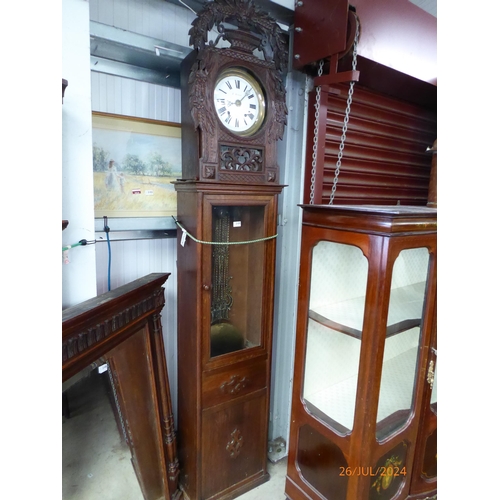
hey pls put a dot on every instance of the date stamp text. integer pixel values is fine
(382, 471)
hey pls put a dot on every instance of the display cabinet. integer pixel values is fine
(363, 362)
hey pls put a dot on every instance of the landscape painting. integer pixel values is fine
(134, 163)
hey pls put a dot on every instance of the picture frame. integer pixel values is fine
(134, 162)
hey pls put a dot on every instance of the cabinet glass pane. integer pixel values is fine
(404, 321)
(336, 310)
(237, 278)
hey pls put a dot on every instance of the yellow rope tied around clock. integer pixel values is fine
(187, 233)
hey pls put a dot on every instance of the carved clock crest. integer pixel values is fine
(236, 95)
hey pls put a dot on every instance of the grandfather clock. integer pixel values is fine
(233, 114)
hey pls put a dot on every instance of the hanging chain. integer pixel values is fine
(346, 116)
(316, 131)
(344, 128)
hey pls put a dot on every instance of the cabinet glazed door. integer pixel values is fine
(402, 340)
(339, 275)
(333, 337)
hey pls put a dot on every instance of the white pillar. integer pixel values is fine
(78, 276)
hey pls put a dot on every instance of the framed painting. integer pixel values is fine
(134, 163)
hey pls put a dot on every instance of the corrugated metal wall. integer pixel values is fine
(123, 96)
(135, 258)
(113, 94)
(154, 18)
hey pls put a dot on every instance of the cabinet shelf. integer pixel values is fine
(337, 400)
(404, 312)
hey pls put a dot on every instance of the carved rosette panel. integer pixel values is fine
(235, 444)
(241, 159)
(209, 171)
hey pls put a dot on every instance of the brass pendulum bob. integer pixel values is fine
(224, 338)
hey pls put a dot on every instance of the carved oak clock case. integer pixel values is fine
(233, 112)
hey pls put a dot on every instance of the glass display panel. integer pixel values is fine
(399, 369)
(339, 275)
(237, 278)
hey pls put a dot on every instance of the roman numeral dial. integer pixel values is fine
(239, 101)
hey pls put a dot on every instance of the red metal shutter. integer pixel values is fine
(384, 159)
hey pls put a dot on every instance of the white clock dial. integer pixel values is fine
(239, 102)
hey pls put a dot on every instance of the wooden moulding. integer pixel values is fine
(123, 329)
(378, 219)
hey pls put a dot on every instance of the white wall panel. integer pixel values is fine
(154, 18)
(78, 282)
(134, 259)
(122, 96)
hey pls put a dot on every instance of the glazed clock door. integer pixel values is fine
(236, 273)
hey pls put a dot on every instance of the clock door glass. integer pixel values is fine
(237, 288)
(239, 102)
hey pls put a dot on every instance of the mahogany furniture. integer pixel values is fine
(122, 328)
(224, 364)
(363, 422)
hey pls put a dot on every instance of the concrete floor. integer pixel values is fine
(96, 461)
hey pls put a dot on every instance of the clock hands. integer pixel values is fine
(247, 93)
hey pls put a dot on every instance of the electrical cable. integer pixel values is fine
(80, 243)
(106, 230)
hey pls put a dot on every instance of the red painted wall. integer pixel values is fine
(398, 34)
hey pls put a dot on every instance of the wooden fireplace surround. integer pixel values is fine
(123, 329)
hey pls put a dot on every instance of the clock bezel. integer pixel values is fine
(242, 72)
